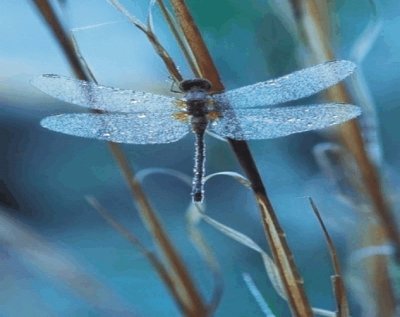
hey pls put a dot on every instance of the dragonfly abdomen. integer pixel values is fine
(196, 97)
(199, 122)
(199, 168)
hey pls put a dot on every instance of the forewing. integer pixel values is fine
(269, 123)
(302, 83)
(134, 128)
(93, 96)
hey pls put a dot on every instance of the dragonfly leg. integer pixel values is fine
(173, 85)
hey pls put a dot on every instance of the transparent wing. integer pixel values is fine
(269, 123)
(302, 83)
(134, 128)
(91, 95)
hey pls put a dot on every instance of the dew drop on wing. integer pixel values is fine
(119, 127)
(299, 84)
(268, 123)
(93, 96)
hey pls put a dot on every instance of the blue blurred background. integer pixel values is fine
(44, 176)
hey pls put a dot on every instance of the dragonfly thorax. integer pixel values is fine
(196, 96)
(196, 83)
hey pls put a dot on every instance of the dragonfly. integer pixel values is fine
(135, 117)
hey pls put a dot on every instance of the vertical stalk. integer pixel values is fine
(310, 22)
(61, 35)
(290, 277)
(189, 298)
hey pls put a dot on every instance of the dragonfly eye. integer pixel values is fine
(198, 83)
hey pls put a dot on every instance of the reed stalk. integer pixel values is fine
(189, 298)
(313, 24)
(342, 305)
(313, 29)
(283, 257)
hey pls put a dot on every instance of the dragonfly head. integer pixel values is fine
(197, 83)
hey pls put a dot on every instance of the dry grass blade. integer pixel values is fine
(206, 67)
(257, 295)
(270, 267)
(323, 312)
(378, 273)
(151, 257)
(291, 280)
(208, 256)
(195, 234)
(236, 176)
(187, 291)
(47, 11)
(310, 20)
(368, 121)
(161, 51)
(89, 75)
(239, 237)
(342, 304)
(179, 38)
(60, 267)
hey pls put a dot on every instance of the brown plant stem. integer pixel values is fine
(160, 50)
(291, 280)
(151, 257)
(189, 296)
(192, 299)
(59, 32)
(180, 40)
(379, 274)
(312, 28)
(193, 37)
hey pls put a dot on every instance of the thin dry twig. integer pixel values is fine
(206, 68)
(179, 38)
(311, 23)
(151, 257)
(161, 51)
(187, 290)
(198, 214)
(59, 32)
(291, 280)
(188, 294)
(206, 253)
(342, 304)
(195, 235)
